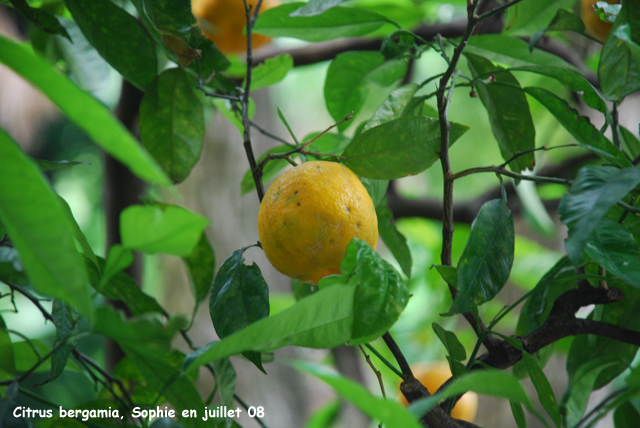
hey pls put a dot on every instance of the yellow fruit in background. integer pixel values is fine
(223, 22)
(432, 376)
(596, 27)
(309, 215)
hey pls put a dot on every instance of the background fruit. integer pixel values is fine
(223, 22)
(308, 217)
(432, 376)
(596, 27)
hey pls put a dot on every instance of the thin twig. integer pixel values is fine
(270, 135)
(502, 171)
(375, 371)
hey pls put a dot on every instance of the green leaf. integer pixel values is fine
(48, 165)
(594, 191)
(575, 82)
(41, 18)
(272, 71)
(625, 416)
(543, 388)
(350, 78)
(451, 343)
(587, 135)
(81, 108)
(172, 123)
(161, 229)
(162, 376)
(486, 262)
(118, 259)
(65, 318)
(123, 288)
(40, 230)
(511, 51)
(612, 246)
(393, 107)
(325, 416)
(118, 37)
(488, 382)
(7, 359)
(575, 399)
(448, 273)
(563, 21)
(393, 239)
(331, 24)
(532, 16)
(148, 330)
(225, 380)
(376, 190)
(200, 266)
(11, 270)
(381, 294)
(170, 17)
(239, 297)
(316, 7)
(518, 414)
(630, 141)
(619, 66)
(401, 147)
(508, 111)
(321, 320)
(388, 412)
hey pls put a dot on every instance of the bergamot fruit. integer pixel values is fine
(309, 215)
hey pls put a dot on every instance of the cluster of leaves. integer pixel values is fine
(43, 252)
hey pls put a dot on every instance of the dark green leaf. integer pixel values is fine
(486, 262)
(225, 380)
(575, 399)
(331, 24)
(630, 141)
(612, 246)
(65, 318)
(381, 295)
(47, 165)
(626, 416)
(401, 147)
(376, 189)
(321, 320)
(239, 296)
(508, 111)
(587, 135)
(543, 388)
(170, 17)
(532, 16)
(40, 230)
(388, 412)
(172, 123)
(511, 51)
(300, 289)
(118, 259)
(518, 414)
(77, 232)
(393, 107)
(393, 239)
(574, 82)
(350, 77)
(316, 7)
(123, 288)
(118, 37)
(7, 359)
(147, 330)
(399, 43)
(563, 21)
(330, 144)
(81, 108)
(594, 191)
(451, 343)
(488, 382)
(273, 70)
(448, 274)
(165, 379)
(200, 267)
(161, 229)
(11, 270)
(619, 66)
(41, 18)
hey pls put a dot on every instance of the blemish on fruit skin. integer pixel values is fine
(298, 203)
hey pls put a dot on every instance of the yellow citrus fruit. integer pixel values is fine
(432, 376)
(223, 21)
(596, 27)
(309, 215)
